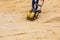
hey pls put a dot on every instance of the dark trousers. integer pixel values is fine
(33, 3)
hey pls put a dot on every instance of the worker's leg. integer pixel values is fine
(37, 1)
(33, 2)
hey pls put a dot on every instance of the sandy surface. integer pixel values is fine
(14, 26)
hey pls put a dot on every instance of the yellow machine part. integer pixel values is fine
(30, 14)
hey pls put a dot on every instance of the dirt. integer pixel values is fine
(15, 26)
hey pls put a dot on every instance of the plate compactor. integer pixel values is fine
(33, 14)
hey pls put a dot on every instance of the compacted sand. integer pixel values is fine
(15, 26)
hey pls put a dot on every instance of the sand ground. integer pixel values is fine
(15, 26)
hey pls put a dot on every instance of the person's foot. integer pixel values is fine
(31, 10)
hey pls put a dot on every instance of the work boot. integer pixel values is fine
(31, 10)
